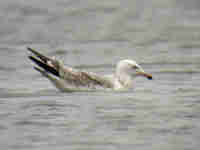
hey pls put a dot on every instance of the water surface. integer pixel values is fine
(93, 35)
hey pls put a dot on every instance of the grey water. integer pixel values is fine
(162, 36)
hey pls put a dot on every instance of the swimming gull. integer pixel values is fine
(66, 78)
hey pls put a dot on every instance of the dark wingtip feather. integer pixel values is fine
(39, 55)
(40, 70)
(45, 66)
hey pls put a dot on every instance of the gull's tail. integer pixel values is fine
(59, 84)
(48, 64)
(48, 67)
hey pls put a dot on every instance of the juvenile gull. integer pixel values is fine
(66, 78)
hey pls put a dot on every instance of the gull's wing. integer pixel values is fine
(69, 75)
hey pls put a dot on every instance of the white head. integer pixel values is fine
(127, 70)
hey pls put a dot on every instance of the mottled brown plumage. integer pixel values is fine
(69, 75)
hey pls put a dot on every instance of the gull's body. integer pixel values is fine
(66, 78)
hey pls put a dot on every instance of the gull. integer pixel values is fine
(66, 78)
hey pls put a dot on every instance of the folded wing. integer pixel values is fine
(67, 74)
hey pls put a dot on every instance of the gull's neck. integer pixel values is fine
(123, 81)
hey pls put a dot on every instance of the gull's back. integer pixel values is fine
(84, 79)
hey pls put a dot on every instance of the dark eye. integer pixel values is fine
(134, 67)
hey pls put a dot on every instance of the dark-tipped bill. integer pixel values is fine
(147, 75)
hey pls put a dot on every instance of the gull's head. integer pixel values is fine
(131, 68)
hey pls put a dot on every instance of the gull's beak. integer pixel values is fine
(147, 75)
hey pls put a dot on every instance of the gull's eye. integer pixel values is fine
(134, 67)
